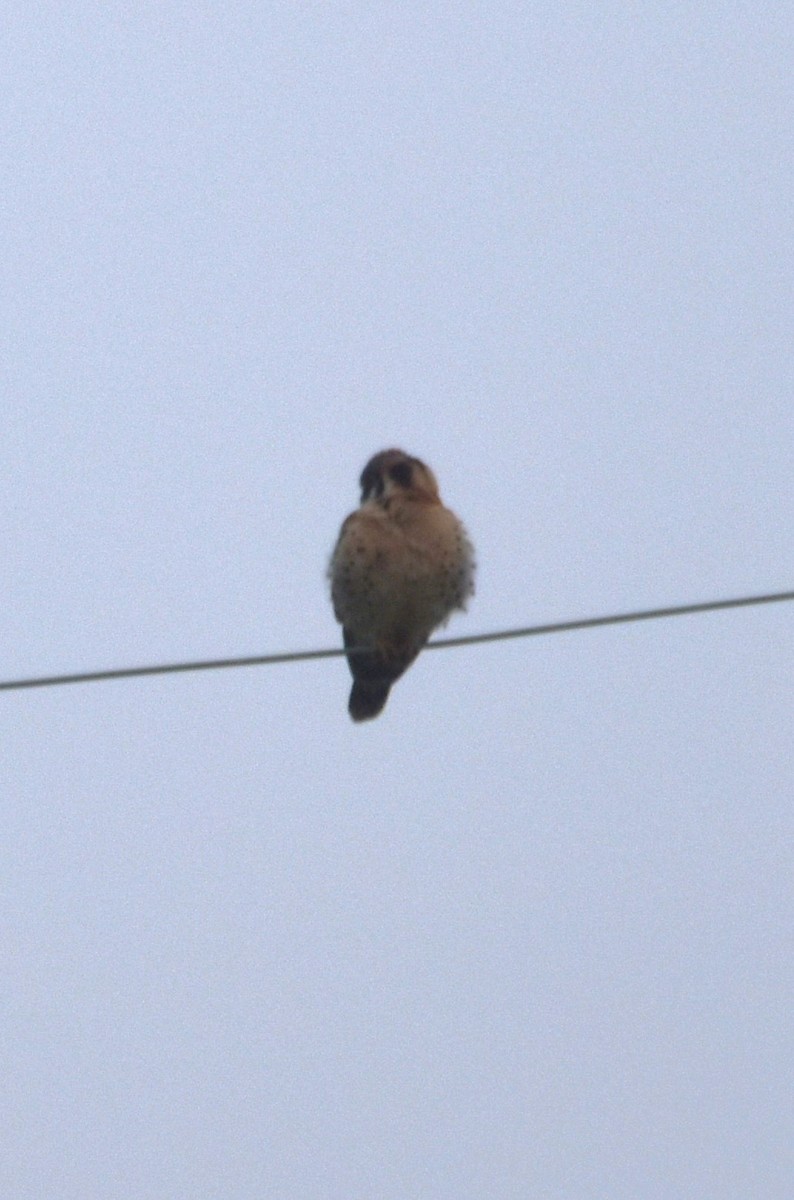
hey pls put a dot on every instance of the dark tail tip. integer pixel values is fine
(367, 699)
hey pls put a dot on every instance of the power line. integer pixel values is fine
(648, 614)
(267, 660)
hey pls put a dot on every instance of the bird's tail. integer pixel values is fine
(367, 698)
(374, 671)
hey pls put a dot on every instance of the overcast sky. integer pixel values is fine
(529, 934)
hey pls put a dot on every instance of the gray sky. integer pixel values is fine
(529, 934)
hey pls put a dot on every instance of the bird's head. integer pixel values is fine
(393, 471)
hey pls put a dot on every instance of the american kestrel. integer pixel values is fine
(402, 564)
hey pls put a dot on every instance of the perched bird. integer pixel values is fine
(402, 564)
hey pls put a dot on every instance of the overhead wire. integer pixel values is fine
(265, 660)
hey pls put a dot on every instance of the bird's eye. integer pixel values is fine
(401, 474)
(371, 484)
